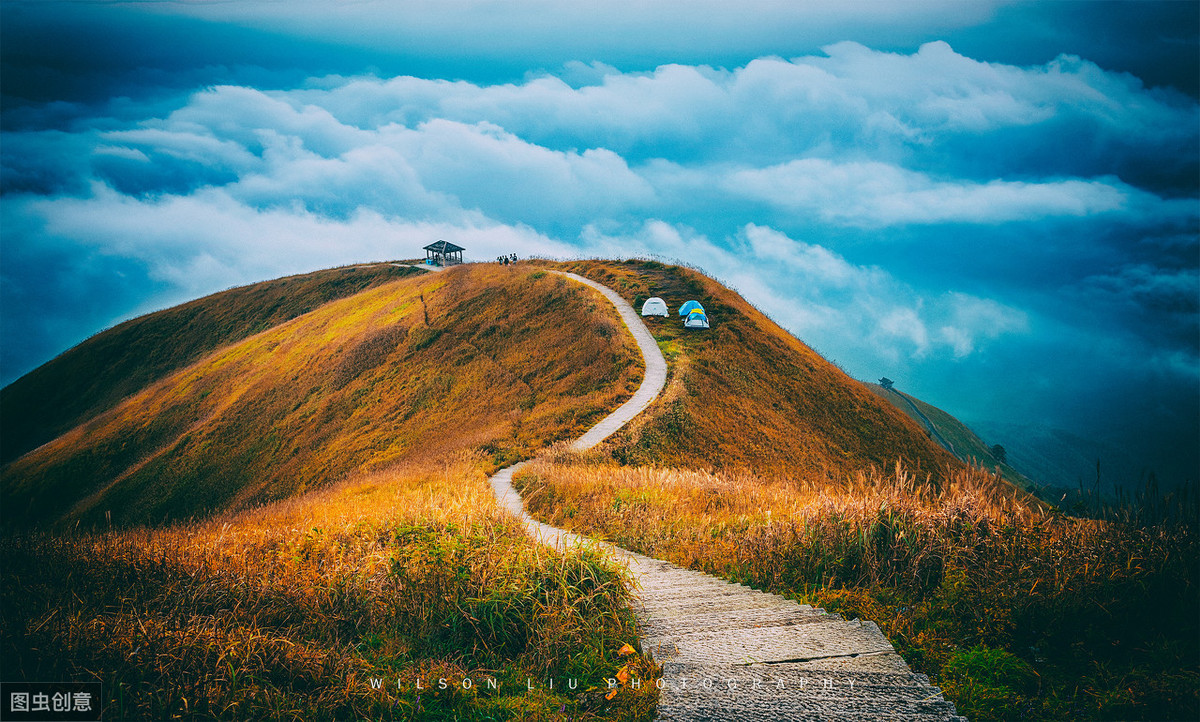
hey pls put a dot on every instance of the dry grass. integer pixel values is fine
(289, 611)
(97, 374)
(358, 384)
(337, 464)
(808, 417)
(1015, 612)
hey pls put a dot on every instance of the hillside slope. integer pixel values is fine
(965, 443)
(746, 394)
(511, 359)
(95, 375)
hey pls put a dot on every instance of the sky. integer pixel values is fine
(996, 204)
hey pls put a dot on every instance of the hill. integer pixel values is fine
(1069, 462)
(334, 457)
(354, 385)
(765, 465)
(96, 374)
(250, 396)
(746, 394)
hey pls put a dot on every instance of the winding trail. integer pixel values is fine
(937, 435)
(730, 652)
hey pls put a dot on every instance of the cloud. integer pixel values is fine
(878, 194)
(932, 111)
(924, 215)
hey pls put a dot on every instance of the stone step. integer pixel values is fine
(802, 642)
(731, 604)
(701, 592)
(763, 617)
(779, 692)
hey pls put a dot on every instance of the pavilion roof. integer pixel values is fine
(443, 247)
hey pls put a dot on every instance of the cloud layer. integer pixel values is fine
(925, 216)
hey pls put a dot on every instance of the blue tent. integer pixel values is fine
(690, 306)
(696, 319)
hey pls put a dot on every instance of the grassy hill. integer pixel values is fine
(354, 385)
(295, 474)
(95, 375)
(251, 396)
(335, 462)
(746, 394)
(765, 465)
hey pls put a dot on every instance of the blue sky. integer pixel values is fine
(994, 203)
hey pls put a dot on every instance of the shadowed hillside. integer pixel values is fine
(95, 375)
(746, 394)
(511, 359)
(966, 443)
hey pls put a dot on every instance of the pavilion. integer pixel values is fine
(443, 253)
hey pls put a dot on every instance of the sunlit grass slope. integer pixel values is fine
(512, 358)
(765, 464)
(746, 394)
(95, 375)
(356, 601)
(1016, 613)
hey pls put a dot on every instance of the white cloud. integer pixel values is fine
(878, 194)
(850, 102)
(209, 240)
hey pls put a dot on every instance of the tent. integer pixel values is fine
(696, 319)
(654, 307)
(690, 306)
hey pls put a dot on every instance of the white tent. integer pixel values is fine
(654, 307)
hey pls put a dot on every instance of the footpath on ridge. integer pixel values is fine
(730, 652)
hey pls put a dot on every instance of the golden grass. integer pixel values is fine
(509, 362)
(337, 465)
(290, 610)
(97, 374)
(1016, 612)
(748, 395)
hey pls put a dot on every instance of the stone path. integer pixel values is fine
(733, 653)
(937, 435)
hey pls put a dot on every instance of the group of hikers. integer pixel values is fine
(505, 260)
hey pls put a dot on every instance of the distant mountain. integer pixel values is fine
(1064, 460)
